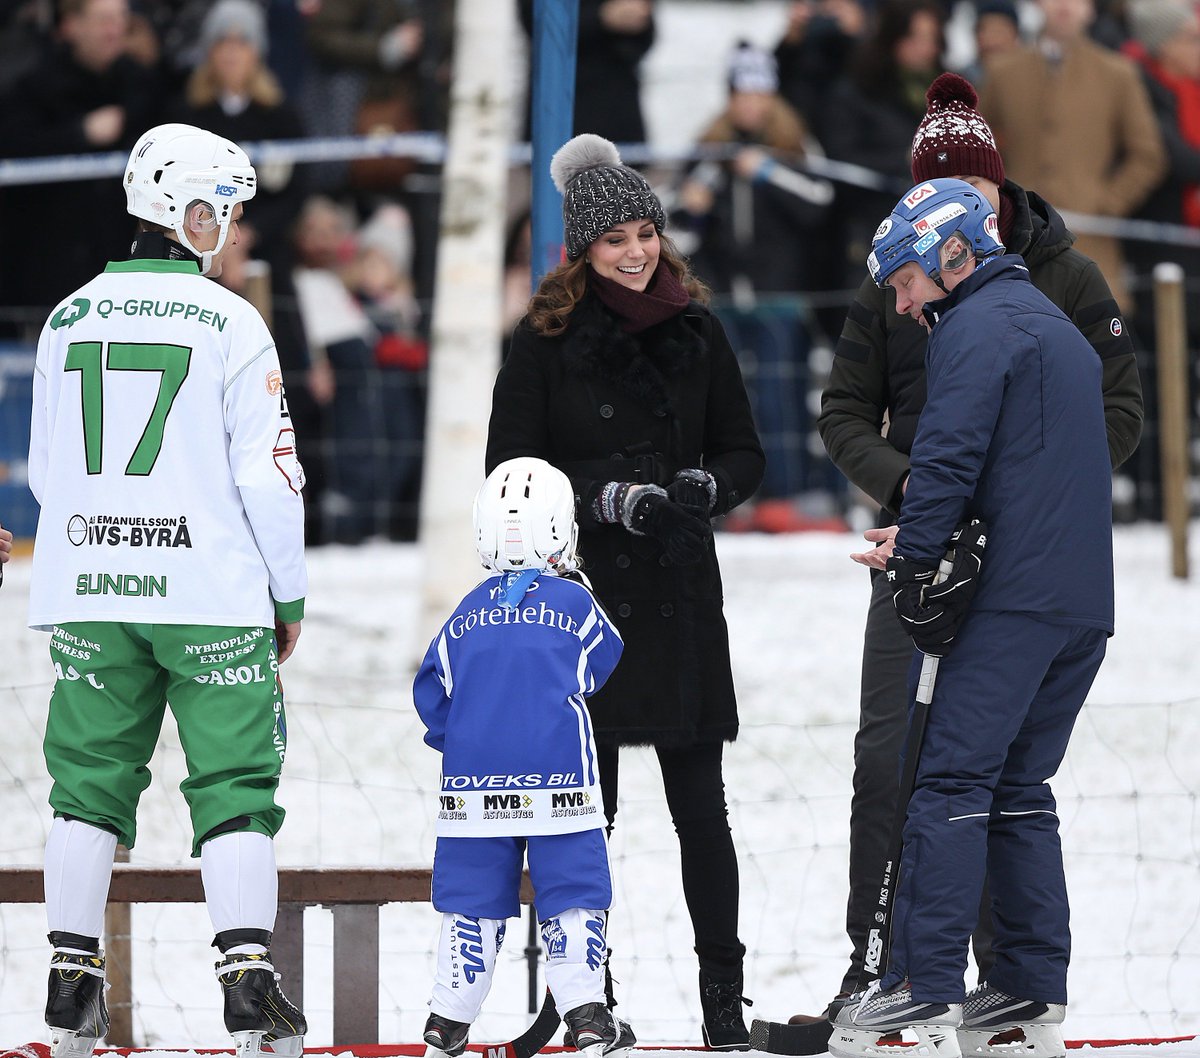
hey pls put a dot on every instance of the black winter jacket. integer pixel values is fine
(879, 363)
(606, 406)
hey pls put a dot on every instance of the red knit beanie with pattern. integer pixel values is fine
(953, 139)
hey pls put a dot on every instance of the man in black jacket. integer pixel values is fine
(878, 379)
(86, 95)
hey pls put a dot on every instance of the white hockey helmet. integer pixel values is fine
(524, 517)
(174, 166)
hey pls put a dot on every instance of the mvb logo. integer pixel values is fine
(452, 804)
(569, 800)
(492, 802)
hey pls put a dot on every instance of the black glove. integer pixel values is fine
(933, 613)
(692, 491)
(684, 537)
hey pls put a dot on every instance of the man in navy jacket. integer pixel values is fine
(1012, 434)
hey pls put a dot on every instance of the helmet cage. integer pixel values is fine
(172, 168)
(923, 221)
(524, 517)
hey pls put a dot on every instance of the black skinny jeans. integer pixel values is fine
(695, 793)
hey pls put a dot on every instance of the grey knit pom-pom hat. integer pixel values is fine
(599, 192)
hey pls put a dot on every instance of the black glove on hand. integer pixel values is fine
(684, 537)
(933, 613)
(694, 491)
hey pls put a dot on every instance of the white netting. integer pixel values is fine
(358, 777)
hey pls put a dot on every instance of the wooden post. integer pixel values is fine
(258, 290)
(355, 974)
(118, 963)
(1171, 325)
(287, 951)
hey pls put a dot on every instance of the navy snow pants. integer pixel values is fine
(1004, 704)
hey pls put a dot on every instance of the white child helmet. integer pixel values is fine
(173, 166)
(524, 517)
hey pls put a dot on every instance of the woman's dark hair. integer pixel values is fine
(874, 68)
(562, 289)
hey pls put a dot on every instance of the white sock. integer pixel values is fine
(79, 860)
(466, 958)
(241, 884)
(576, 951)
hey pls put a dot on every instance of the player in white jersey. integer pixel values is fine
(169, 566)
(502, 693)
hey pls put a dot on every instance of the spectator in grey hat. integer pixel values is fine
(622, 377)
(235, 18)
(756, 218)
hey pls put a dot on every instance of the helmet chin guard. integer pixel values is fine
(524, 517)
(173, 166)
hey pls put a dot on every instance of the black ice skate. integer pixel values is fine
(997, 1025)
(444, 1037)
(75, 1012)
(597, 1031)
(721, 1003)
(258, 1016)
(879, 1023)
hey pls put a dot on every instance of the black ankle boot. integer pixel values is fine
(721, 1002)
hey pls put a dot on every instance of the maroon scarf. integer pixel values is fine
(663, 298)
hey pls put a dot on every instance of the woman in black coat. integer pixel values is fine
(620, 376)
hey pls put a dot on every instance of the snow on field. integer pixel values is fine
(358, 776)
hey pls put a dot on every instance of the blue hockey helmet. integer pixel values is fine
(925, 220)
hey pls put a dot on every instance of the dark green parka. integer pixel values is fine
(879, 363)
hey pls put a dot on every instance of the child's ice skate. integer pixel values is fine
(879, 1024)
(597, 1031)
(445, 1038)
(259, 1017)
(997, 1025)
(75, 1012)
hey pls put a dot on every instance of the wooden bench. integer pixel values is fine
(354, 893)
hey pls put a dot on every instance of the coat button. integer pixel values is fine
(735, 497)
(616, 457)
(663, 560)
(667, 610)
(606, 411)
(622, 562)
(624, 610)
(660, 413)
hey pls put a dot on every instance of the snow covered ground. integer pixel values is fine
(358, 777)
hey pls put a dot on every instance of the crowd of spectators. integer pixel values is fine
(1096, 109)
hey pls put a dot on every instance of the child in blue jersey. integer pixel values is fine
(501, 691)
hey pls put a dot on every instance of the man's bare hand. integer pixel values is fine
(286, 634)
(877, 557)
(103, 126)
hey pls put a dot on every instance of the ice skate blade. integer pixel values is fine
(250, 1044)
(913, 1041)
(596, 1050)
(67, 1043)
(1019, 1041)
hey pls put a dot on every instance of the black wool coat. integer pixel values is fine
(606, 406)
